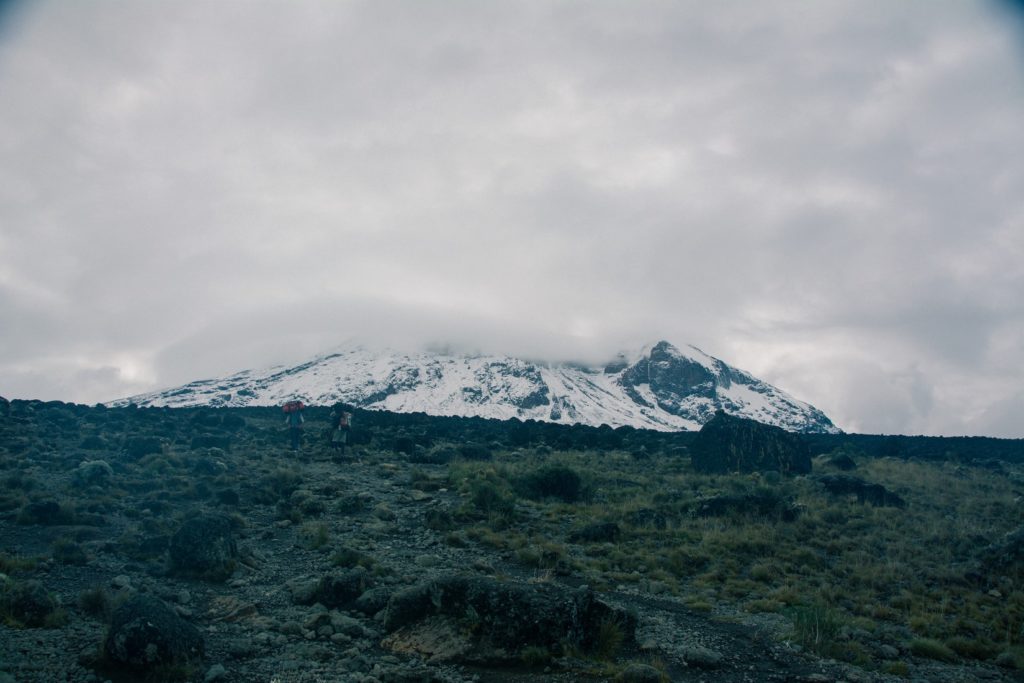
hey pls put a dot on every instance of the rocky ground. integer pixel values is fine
(326, 568)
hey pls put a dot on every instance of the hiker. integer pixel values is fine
(293, 418)
(341, 421)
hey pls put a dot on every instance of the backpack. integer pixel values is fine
(293, 407)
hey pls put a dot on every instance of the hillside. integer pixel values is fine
(433, 549)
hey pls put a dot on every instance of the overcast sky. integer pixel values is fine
(827, 194)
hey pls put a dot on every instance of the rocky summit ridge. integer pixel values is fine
(661, 387)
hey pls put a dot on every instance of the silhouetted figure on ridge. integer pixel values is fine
(293, 418)
(341, 421)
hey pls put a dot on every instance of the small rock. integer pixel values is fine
(291, 628)
(427, 560)
(888, 651)
(240, 648)
(302, 590)
(317, 620)
(347, 625)
(641, 673)
(121, 582)
(215, 673)
(184, 597)
(702, 657)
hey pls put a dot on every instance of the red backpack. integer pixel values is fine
(293, 406)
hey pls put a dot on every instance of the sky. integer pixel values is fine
(826, 194)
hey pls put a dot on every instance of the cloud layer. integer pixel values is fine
(825, 194)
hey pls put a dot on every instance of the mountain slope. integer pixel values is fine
(660, 388)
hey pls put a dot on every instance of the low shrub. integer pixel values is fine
(66, 551)
(95, 602)
(931, 649)
(554, 481)
(316, 535)
(816, 627)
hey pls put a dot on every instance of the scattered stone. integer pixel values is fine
(121, 582)
(241, 648)
(372, 601)
(215, 673)
(302, 590)
(702, 657)
(291, 628)
(641, 673)
(347, 625)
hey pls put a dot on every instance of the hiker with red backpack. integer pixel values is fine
(293, 418)
(341, 421)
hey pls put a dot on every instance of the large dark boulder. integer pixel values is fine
(145, 634)
(866, 492)
(503, 618)
(734, 444)
(204, 547)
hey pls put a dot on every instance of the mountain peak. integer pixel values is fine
(663, 388)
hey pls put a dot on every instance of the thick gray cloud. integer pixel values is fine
(826, 194)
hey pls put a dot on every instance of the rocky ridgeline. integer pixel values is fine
(192, 545)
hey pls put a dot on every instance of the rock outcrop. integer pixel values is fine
(866, 492)
(734, 444)
(465, 618)
(145, 633)
(204, 547)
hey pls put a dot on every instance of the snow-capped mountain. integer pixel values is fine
(660, 388)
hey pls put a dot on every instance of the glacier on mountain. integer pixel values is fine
(659, 388)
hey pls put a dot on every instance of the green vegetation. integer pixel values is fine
(838, 566)
(615, 509)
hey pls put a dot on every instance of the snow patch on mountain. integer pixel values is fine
(661, 387)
